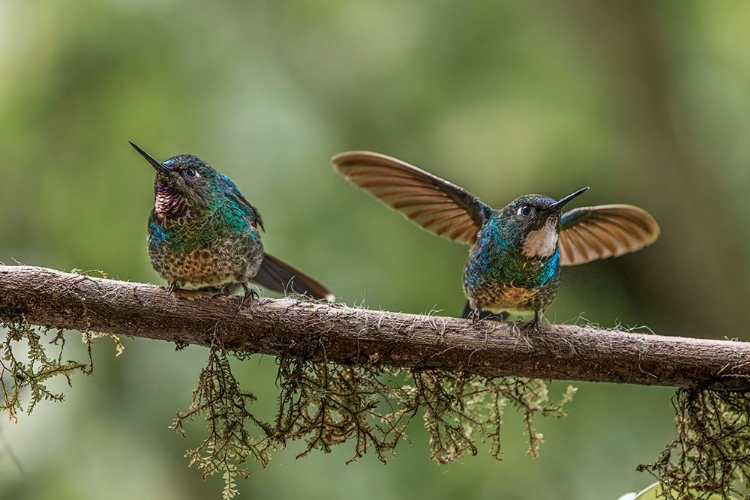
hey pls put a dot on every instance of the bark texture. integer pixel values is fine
(317, 331)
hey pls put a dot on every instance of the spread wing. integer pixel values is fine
(281, 277)
(591, 233)
(234, 193)
(435, 204)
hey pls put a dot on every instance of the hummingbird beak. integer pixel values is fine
(160, 167)
(560, 203)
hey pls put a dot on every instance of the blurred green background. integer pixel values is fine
(646, 102)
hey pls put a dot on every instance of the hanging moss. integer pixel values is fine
(711, 453)
(370, 406)
(43, 360)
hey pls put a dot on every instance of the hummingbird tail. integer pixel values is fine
(281, 277)
(467, 310)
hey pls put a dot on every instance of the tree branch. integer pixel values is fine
(342, 334)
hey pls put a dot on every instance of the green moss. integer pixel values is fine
(36, 368)
(711, 453)
(370, 406)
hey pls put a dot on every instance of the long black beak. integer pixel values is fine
(560, 203)
(160, 167)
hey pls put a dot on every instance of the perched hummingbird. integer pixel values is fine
(204, 235)
(514, 263)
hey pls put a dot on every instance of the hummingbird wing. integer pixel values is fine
(232, 192)
(435, 204)
(591, 233)
(281, 277)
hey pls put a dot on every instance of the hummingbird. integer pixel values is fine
(204, 235)
(516, 252)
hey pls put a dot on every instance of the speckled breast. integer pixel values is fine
(497, 297)
(197, 263)
(499, 281)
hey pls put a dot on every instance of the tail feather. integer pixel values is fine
(281, 277)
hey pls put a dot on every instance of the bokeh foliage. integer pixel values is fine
(646, 102)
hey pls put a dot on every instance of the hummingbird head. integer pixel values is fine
(185, 185)
(533, 222)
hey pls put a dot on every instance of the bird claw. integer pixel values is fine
(478, 315)
(249, 292)
(174, 290)
(533, 325)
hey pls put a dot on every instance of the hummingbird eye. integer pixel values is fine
(525, 210)
(191, 173)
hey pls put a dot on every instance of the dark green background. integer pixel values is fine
(646, 102)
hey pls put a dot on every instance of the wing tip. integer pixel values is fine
(649, 221)
(341, 158)
(643, 224)
(651, 229)
(405, 188)
(347, 157)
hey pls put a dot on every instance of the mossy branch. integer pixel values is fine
(322, 332)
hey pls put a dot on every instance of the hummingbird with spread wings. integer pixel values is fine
(516, 252)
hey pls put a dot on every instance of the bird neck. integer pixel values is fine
(174, 206)
(169, 205)
(497, 236)
(541, 242)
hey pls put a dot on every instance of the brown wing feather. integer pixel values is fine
(591, 233)
(435, 204)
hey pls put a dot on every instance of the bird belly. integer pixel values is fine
(215, 264)
(508, 298)
(497, 281)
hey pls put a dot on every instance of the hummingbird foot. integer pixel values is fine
(174, 290)
(534, 323)
(478, 315)
(474, 315)
(250, 294)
